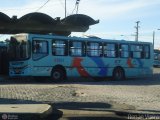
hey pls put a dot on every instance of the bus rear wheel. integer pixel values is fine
(118, 74)
(58, 75)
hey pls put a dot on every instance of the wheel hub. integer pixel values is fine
(56, 75)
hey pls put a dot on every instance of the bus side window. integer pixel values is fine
(110, 50)
(94, 49)
(40, 49)
(60, 47)
(146, 53)
(36, 47)
(137, 51)
(124, 51)
(39, 46)
(77, 48)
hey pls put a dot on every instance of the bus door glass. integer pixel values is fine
(40, 49)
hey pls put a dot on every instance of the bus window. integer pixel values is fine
(109, 50)
(40, 49)
(146, 52)
(23, 50)
(136, 51)
(94, 49)
(156, 58)
(77, 48)
(59, 47)
(124, 51)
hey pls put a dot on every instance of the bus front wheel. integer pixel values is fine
(57, 75)
(118, 74)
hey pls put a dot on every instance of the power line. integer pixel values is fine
(76, 6)
(42, 5)
(28, 8)
(25, 8)
(77, 3)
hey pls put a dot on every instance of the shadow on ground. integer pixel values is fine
(75, 110)
(154, 80)
(91, 106)
(87, 111)
(99, 111)
(55, 115)
(78, 111)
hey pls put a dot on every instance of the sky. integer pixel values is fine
(117, 17)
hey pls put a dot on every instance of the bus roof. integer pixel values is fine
(78, 38)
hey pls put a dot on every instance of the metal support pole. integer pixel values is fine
(137, 30)
(65, 8)
(77, 9)
(77, 4)
(153, 38)
(159, 47)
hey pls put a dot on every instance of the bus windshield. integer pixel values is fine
(19, 48)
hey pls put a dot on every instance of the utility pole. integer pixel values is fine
(153, 38)
(137, 30)
(159, 47)
(77, 4)
(65, 8)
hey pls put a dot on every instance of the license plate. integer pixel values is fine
(17, 70)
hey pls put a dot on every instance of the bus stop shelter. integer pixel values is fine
(40, 23)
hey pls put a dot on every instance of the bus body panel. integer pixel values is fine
(20, 68)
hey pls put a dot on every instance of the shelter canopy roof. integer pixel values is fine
(43, 24)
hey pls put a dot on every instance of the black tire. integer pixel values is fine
(118, 74)
(58, 75)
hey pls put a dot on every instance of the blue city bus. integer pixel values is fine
(59, 57)
(156, 58)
